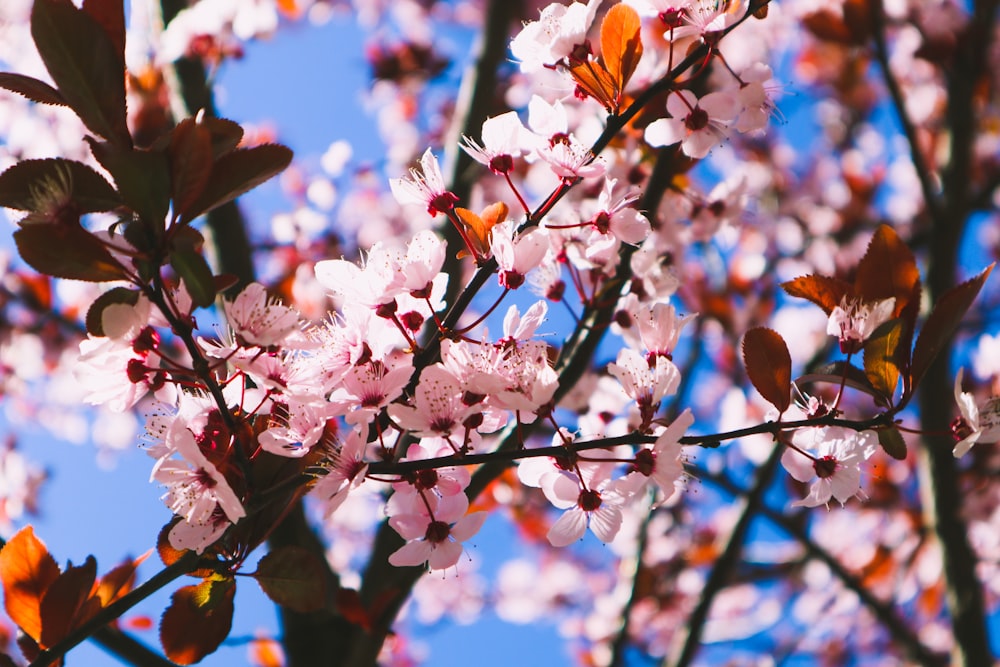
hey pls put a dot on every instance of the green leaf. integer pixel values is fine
(881, 360)
(26, 185)
(66, 251)
(942, 322)
(892, 442)
(85, 65)
(293, 577)
(198, 620)
(237, 172)
(769, 365)
(196, 274)
(115, 295)
(143, 178)
(32, 88)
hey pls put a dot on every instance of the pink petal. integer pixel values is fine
(568, 528)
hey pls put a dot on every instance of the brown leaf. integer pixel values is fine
(769, 365)
(119, 580)
(85, 65)
(824, 291)
(143, 179)
(942, 322)
(237, 172)
(892, 442)
(27, 570)
(31, 88)
(198, 620)
(887, 269)
(621, 45)
(66, 251)
(67, 603)
(190, 154)
(293, 577)
(110, 15)
(88, 190)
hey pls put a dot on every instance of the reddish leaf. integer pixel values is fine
(769, 365)
(27, 570)
(66, 251)
(887, 269)
(881, 365)
(190, 154)
(621, 44)
(226, 135)
(67, 603)
(293, 577)
(20, 186)
(237, 172)
(824, 291)
(480, 228)
(115, 295)
(31, 88)
(143, 179)
(942, 322)
(110, 15)
(119, 580)
(892, 442)
(198, 620)
(85, 65)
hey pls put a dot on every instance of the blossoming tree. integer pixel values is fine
(636, 276)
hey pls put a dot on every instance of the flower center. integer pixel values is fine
(825, 467)
(589, 500)
(696, 120)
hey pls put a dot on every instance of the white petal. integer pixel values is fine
(568, 528)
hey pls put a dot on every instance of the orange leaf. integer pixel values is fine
(479, 228)
(769, 365)
(824, 291)
(119, 580)
(887, 269)
(266, 652)
(198, 620)
(27, 569)
(881, 360)
(592, 77)
(621, 45)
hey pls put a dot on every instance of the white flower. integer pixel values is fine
(832, 455)
(854, 321)
(976, 422)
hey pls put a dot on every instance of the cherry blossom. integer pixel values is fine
(502, 142)
(257, 319)
(975, 422)
(697, 123)
(516, 254)
(424, 187)
(434, 530)
(661, 464)
(553, 37)
(854, 321)
(833, 462)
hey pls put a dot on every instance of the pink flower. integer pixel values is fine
(502, 142)
(424, 187)
(831, 458)
(647, 383)
(259, 320)
(196, 490)
(346, 472)
(660, 328)
(434, 529)
(554, 36)
(698, 124)
(569, 159)
(369, 387)
(854, 321)
(594, 501)
(975, 422)
(517, 254)
(437, 407)
(661, 464)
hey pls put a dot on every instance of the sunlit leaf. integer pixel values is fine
(592, 77)
(190, 154)
(110, 15)
(881, 364)
(888, 269)
(293, 577)
(27, 569)
(119, 580)
(479, 228)
(769, 366)
(621, 44)
(824, 291)
(198, 620)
